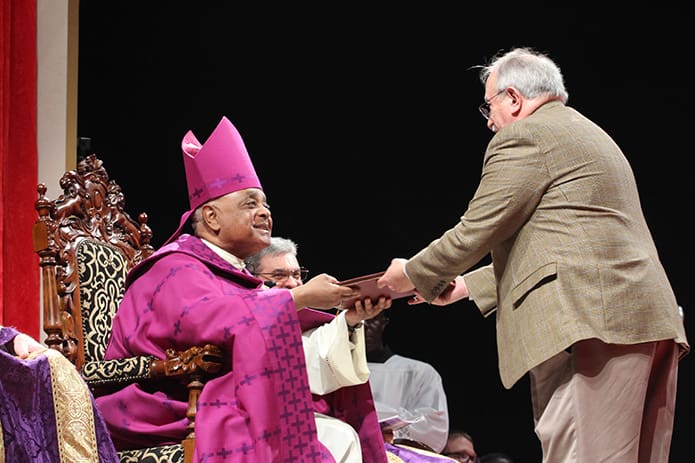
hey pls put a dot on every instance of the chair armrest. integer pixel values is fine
(196, 360)
(202, 360)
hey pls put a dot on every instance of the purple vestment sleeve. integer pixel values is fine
(7, 334)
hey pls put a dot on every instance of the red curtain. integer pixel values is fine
(19, 272)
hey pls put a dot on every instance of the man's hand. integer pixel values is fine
(365, 309)
(395, 278)
(455, 291)
(24, 344)
(321, 292)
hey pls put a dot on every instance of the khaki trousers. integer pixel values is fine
(606, 402)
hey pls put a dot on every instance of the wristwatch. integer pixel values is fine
(352, 328)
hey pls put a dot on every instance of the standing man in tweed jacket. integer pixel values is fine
(582, 301)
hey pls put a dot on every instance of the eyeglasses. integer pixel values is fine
(462, 457)
(280, 275)
(485, 107)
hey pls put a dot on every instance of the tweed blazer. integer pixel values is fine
(558, 211)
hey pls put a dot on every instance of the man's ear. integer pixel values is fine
(210, 217)
(514, 95)
(516, 99)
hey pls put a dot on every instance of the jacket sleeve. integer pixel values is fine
(482, 289)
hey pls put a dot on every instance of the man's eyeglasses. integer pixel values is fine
(280, 275)
(485, 107)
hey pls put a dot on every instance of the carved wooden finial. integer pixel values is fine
(43, 204)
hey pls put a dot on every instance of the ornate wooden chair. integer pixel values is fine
(87, 243)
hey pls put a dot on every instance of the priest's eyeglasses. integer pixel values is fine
(462, 457)
(280, 275)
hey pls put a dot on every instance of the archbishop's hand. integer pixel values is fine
(321, 292)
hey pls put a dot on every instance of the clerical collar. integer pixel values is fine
(226, 255)
(380, 356)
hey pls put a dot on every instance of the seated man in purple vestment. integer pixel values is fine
(196, 289)
(47, 414)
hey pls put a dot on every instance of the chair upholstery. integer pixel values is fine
(163, 454)
(87, 243)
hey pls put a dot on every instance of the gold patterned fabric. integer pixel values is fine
(74, 416)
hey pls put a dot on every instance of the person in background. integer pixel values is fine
(407, 387)
(495, 457)
(460, 447)
(196, 289)
(47, 413)
(339, 343)
(581, 300)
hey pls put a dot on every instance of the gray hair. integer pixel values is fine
(278, 247)
(196, 218)
(532, 73)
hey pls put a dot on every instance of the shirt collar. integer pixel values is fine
(380, 356)
(226, 255)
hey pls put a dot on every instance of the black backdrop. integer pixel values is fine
(362, 124)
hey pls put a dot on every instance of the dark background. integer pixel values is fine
(362, 124)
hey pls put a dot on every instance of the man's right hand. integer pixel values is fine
(395, 277)
(366, 309)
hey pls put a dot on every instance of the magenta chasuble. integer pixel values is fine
(261, 409)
